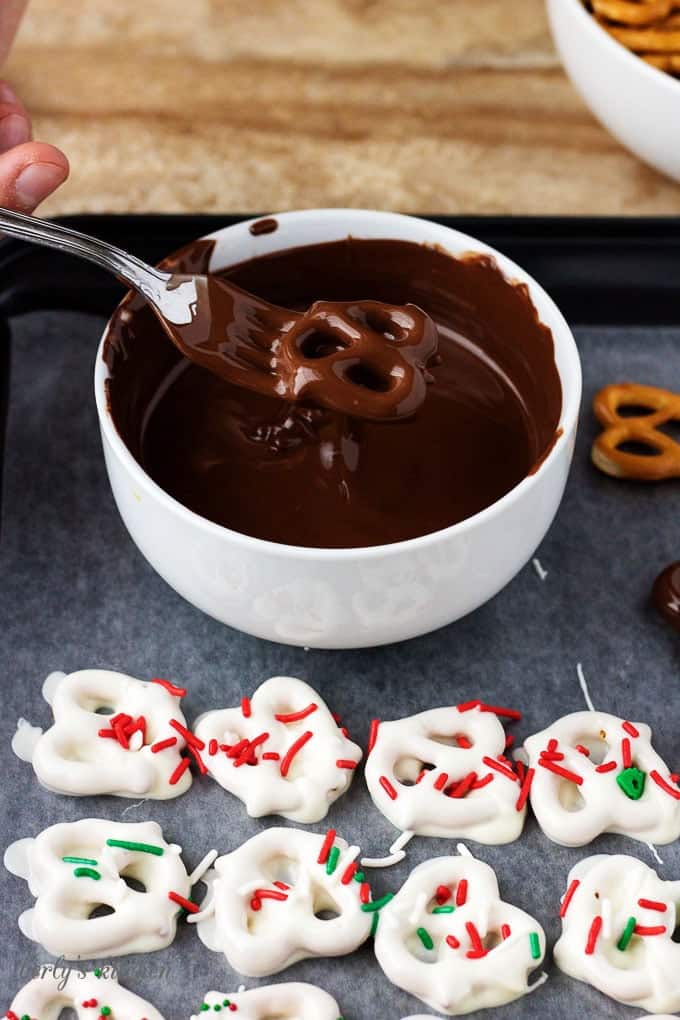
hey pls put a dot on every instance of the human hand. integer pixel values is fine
(29, 171)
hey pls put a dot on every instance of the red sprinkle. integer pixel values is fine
(478, 950)
(467, 706)
(268, 894)
(191, 738)
(329, 839)
(505, 931)
(213, 747)
(664, 785)
(388, 788)
(504, 771)
(658, 929)
(441, 781)
(245, 707)
(179, 771)
(559, 771)
(552, 744)
(10, 1015)
(463, 741)
(345, 763)
(568, 896)
(194, 752)
(271, 756)
(583, 750)
(526, 790)
(293, 750)
(551, 756)
(461, 892)
(509, 741)
(365, 892)
(452, 942)
(506, 713)
(297, 716)
(625, 753)
(607, 766)
(349, 873)
(162, 744)
(191, 908)
(442, 894)
(464, 786)
(630, 729)
(372, 735)
(177, 692)
(593, 935)
(282, 885)
(652, 905)
(479, 783)
(107, 733)
(521, 769)
(236, 750)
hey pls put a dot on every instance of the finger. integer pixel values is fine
(29, 173)
(15, 123)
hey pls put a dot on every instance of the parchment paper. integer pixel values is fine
(75, 593)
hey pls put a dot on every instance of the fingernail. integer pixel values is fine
(14, 130)
(36, 182)
(7, 93)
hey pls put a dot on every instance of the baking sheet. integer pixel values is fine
(75, 593)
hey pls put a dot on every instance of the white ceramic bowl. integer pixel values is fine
(637, 103)
(346, 598)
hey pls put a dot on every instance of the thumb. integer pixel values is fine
(29, 173)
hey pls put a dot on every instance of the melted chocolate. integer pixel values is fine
(266, 226)
(666, 594)
(363, 358)
(312, 477)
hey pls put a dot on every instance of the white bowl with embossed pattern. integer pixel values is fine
(346, 598)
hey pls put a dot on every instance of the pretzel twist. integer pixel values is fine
(607, 455)
(649, 28)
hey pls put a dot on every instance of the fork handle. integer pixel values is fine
(53, 235)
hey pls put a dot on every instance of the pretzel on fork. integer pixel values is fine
(662, 406)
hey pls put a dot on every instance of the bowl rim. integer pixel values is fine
(617, 49)
(570, 380)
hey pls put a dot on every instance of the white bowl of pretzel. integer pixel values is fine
(623, 56)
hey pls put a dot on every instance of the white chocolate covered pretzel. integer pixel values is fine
(444, 773)
(290, 1001)
(111, 734)
(285, 895)
(102, 888)
(448, 938)
(591, 772)
(91, 997)
(618, 919)
(281, 752)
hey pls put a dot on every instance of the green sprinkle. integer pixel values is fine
(377, 904)
(86, 873)
(79, 860)
(374, 925)
(25, 1017)
(217, 1007)
(105, 1011)
(443, 910)
(535, 945)
(204, 1006)
(632, 782)
(332, 862)
(97, 972)
(624, 941)
(226, 1002)
(425, 938)
(358, 877)
(142, 848)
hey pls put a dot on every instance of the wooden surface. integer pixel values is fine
(219, 105)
